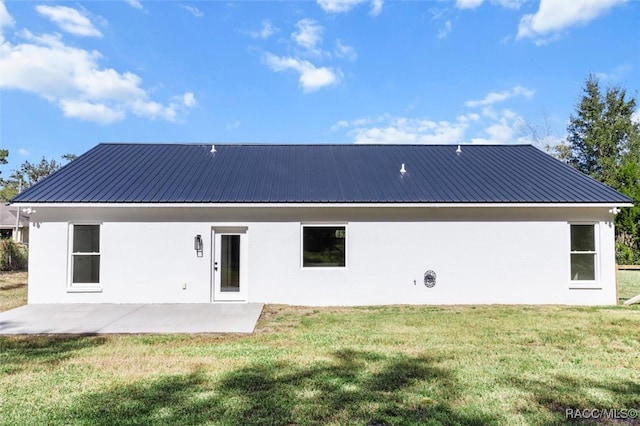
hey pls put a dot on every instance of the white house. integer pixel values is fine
(321, 225)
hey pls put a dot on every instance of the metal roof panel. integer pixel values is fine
(191, 173)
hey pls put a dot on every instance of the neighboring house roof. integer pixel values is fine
(8, 217)
(177, 173)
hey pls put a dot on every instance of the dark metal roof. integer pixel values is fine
(175, 173)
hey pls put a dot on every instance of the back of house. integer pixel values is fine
(321, 225)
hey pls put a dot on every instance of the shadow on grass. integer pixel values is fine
(570, 393)
(20, 352)
(352, 387)
(6, 287)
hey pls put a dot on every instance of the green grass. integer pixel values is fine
(395, 365)
(13, 290)
(628, 284)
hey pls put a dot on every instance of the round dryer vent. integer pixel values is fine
(430, 278)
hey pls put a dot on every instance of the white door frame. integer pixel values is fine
(229, 295)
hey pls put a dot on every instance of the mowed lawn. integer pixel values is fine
(628, 284)
(396, 365)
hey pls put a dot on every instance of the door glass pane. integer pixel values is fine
(230, 263)
(86, 269)
(583, 238)
(583, 267)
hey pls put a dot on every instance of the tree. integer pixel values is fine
(544, 138)
(604, 143)
(8, 190)
(28, 174)
(3, 160)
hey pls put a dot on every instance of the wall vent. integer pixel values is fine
(430, 278)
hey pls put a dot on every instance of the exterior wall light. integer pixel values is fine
(197, 245)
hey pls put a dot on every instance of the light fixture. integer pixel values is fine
(197, 245)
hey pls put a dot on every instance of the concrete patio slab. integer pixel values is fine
(130, 318)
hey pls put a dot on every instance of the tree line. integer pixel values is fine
(27, 174)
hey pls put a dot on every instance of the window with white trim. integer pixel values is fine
(85, 254)
(324, 246)
(583, 252)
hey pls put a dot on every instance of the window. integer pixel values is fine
(230, 263)
(85, 256)
(583, 253)
(323, 246)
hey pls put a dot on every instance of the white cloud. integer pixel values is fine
(468, 4)
(445, 30)
(308, 35)
(189, 100)
(441, 21)
(616, 74)
(473, 4)
(23, 151)
(69, 20)
(360, 122)
(153, 110)
(503, 131)
(553, 17)
(265, 32)
(73, 79)
(401, 130)
(495, 97)
(193, 10)
(376, 7)
(339, 125)
(85, 110)
(5, 19)
(342, 6)
(234, 125)
(311, 79)
(488, 127)
(135, 4)
(345, 51)
(510, 4)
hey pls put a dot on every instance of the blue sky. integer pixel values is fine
(74, 74)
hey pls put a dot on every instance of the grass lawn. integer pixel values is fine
(13, 290)
(628, 284)
(364, 366)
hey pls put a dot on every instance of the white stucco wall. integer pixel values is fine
(480, 255)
